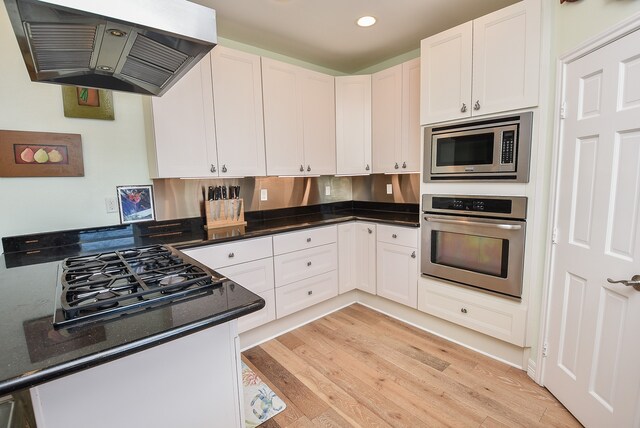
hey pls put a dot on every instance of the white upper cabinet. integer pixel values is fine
(353, 124)
(446, 75)
(485, 66)
(299, 120)
(183, 124)
(237, 94)
(395, 118)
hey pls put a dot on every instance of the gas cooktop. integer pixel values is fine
(106, 285)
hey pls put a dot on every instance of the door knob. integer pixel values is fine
(404, 164)
(308, 168)
(413, 255)
(367, 168)
(369, 230)
(224, 168)
(463, 109)
(213, 168)
(633, 282)
(476, 106)
(396, 166)
(301, 168)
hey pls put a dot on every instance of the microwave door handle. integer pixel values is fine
(475, 223)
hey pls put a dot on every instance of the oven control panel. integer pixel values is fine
(498, 206)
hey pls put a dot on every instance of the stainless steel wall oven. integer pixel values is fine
(475, 240)
(487, 149)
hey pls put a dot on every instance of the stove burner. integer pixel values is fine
(127, 281)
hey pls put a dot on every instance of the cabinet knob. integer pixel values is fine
(394, 236)
(369, 230)
(463, 109)
(476, 106)
(224, 168)
(231, 255)
(396, 166)
(309, 293)
(366, 168)
(463, 310)
(213, 168)
(404, 164)
(308, 239)
(308, 264)
(301, 168)
(308, 168)
(413, 255)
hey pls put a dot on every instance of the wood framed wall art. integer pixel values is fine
(40, 154)
(87, 103)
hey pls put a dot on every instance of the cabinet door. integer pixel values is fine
(183, 126)
(353, 124)
(365, 252)
(445, 70)
(282, 118)
(398, 273)
(319, 122)
(237, 95)
(506, 58)
(386, 100)
(347, 255)
(410, 147)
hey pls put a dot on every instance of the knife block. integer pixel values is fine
(224, 213)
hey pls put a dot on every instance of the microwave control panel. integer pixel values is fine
(508, 143)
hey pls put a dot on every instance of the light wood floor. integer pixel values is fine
(357, 367)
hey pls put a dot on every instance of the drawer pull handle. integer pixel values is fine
(308, 239)
(394, 236)
(31, 241)
(463, 310)
(231, 255)
(309, 293)
(33, 252)
(308, 263)
(413, 255)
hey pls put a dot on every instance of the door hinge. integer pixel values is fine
(545, 349)
(563, 110)
(554, 236)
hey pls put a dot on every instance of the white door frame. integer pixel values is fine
(616, 32)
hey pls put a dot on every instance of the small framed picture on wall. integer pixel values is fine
(136, 203)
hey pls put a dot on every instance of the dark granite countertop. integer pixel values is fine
(33, 352)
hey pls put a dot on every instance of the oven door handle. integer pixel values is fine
(475, 223)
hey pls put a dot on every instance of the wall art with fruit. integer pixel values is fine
(40, 154)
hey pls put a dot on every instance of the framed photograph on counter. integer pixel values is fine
(136, 203)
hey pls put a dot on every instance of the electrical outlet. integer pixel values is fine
(389, 189)
(111, 204)
(327, 190)
(263, 195)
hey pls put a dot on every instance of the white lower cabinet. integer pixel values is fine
(302, 294)
(492, 315)
(347, 266)
(292, 267)
(397, 265)
(256, 276)
(357, 256)
(192, 381)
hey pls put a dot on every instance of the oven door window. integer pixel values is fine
(460, 150)
(480, 254)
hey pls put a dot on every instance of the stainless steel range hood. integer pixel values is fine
(141, 46)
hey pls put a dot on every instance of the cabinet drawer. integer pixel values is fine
(308, 238)
(233, 253)
(491, 315)
(406, 236)
(303, 264)
(302, 294)
(263, 316)
(256, 276)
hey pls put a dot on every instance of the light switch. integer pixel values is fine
(389, 189)
(263, 195)
(111, 204)
(327, 190)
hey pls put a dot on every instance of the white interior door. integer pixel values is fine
(593, 362)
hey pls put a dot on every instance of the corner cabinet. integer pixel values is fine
(397, 264)
(353, 124)
(485, 66)
(183, 124)
(299, 120)
(357, 257)
(210, 123)
(396, 118)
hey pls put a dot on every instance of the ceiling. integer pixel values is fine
(323, 32)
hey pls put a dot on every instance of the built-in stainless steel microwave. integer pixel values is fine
(488, 149)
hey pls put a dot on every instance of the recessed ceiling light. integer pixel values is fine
(366, 21)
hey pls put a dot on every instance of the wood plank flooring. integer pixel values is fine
(359, 368)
